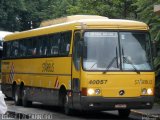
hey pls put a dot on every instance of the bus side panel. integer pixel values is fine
(42, 77)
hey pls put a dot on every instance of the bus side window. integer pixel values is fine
(34, 47)
(5, 50)
(8, 48)
(40, 50)
(34, 50)
(45, 50)
(55, 40)
(54, 50)
(65, 43)
(44, 45)
(22, 48)
(29, 46)
(49, 45)
(62, 44)
(39, 45)
(15, 48)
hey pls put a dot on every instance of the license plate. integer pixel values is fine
(120, 106)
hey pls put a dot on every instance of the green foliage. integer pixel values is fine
(9, 14)
(145, 13)
(111, 9)
(17, 15)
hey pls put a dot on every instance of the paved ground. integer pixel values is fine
(154, 112)
(40, 112)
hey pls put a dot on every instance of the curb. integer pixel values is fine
(146, 116)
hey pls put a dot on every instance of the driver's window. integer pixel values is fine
(76, 51)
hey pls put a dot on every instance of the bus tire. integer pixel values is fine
(62, 94)
(13, 90)
(124, 113)
(25, 102)
(67, 109)
(17, 97)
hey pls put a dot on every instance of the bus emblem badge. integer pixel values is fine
(121, 92)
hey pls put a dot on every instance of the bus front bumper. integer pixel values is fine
(101, 103)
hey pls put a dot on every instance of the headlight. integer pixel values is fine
(90, 91)
(149, 91)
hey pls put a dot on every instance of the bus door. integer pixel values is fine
(76, 70)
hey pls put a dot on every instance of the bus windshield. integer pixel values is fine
(117, 51)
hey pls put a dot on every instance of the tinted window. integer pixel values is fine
(57, 44)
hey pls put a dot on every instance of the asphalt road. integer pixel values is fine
(42, 112)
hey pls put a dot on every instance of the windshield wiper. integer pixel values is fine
(126, 60)
(112, 61)
(93, 65)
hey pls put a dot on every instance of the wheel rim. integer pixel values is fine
(66, 101)
(16, 97)
(66, 107)
(23, 93)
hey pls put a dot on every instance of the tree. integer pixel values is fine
(18, 15)
(146, 14)
(26, 14)
(9, 17)
(111, 9)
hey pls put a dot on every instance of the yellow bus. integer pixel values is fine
(81, 62)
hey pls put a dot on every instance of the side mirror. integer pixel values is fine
(83, 28)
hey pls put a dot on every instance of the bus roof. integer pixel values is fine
(70, 19)
(80, 22)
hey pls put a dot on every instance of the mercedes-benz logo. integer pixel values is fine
(121, 92)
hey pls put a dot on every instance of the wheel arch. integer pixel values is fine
(62, 87)
(62, 93)
(21, 85)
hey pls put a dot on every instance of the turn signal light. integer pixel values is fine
(84, 91)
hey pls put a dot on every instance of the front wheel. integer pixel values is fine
(124, 113)
(25, 102)
(67, 109)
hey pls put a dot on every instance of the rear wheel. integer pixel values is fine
(25, 101)
(13, 91)
(124, 113)
(17, 97)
